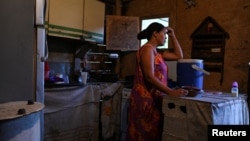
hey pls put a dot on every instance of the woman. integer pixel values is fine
(145, 118)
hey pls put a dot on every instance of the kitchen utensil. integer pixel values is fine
(192, 91)
(84, 77)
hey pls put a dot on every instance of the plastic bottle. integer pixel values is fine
(234, 89)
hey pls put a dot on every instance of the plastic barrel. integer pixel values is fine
(187, 75)
(20, 121)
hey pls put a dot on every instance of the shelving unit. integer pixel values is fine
(210, 48)
(98, 62)
(100, 65)
(209, 41)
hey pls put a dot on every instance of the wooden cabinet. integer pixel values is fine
(211, 48)
(76, 19)
(93, 20)
(209, 41)
(65, 18)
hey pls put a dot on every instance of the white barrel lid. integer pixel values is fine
(9, 110)
(190, 61)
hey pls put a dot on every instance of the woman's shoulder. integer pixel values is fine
(148, 47)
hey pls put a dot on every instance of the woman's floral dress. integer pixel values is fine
(145, 118)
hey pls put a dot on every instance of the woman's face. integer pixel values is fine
(161, 38)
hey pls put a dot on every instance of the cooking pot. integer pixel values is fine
(192, 91)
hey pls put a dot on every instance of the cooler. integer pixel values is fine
(190, 72)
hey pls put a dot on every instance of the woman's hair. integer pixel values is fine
(148, 32)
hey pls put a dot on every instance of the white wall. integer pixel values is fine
(172, 71)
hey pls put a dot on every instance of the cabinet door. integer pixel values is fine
(65, 18)
(93, 25)
(78, 19)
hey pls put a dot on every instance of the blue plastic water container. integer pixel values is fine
(189, 72)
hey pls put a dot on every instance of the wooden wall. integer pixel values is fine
(232, 15)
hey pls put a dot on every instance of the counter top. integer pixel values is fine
(60, 98)
(194, 114)
(216, 98)
(54, 85)
(84, 110)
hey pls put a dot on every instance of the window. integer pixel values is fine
(145, 22)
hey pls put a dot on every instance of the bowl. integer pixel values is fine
(192, 91)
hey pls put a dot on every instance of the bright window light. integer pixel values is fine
(146, 22)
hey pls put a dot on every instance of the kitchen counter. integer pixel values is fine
(54, 85)
(87, 112)
(187, 118)
(65, 85)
